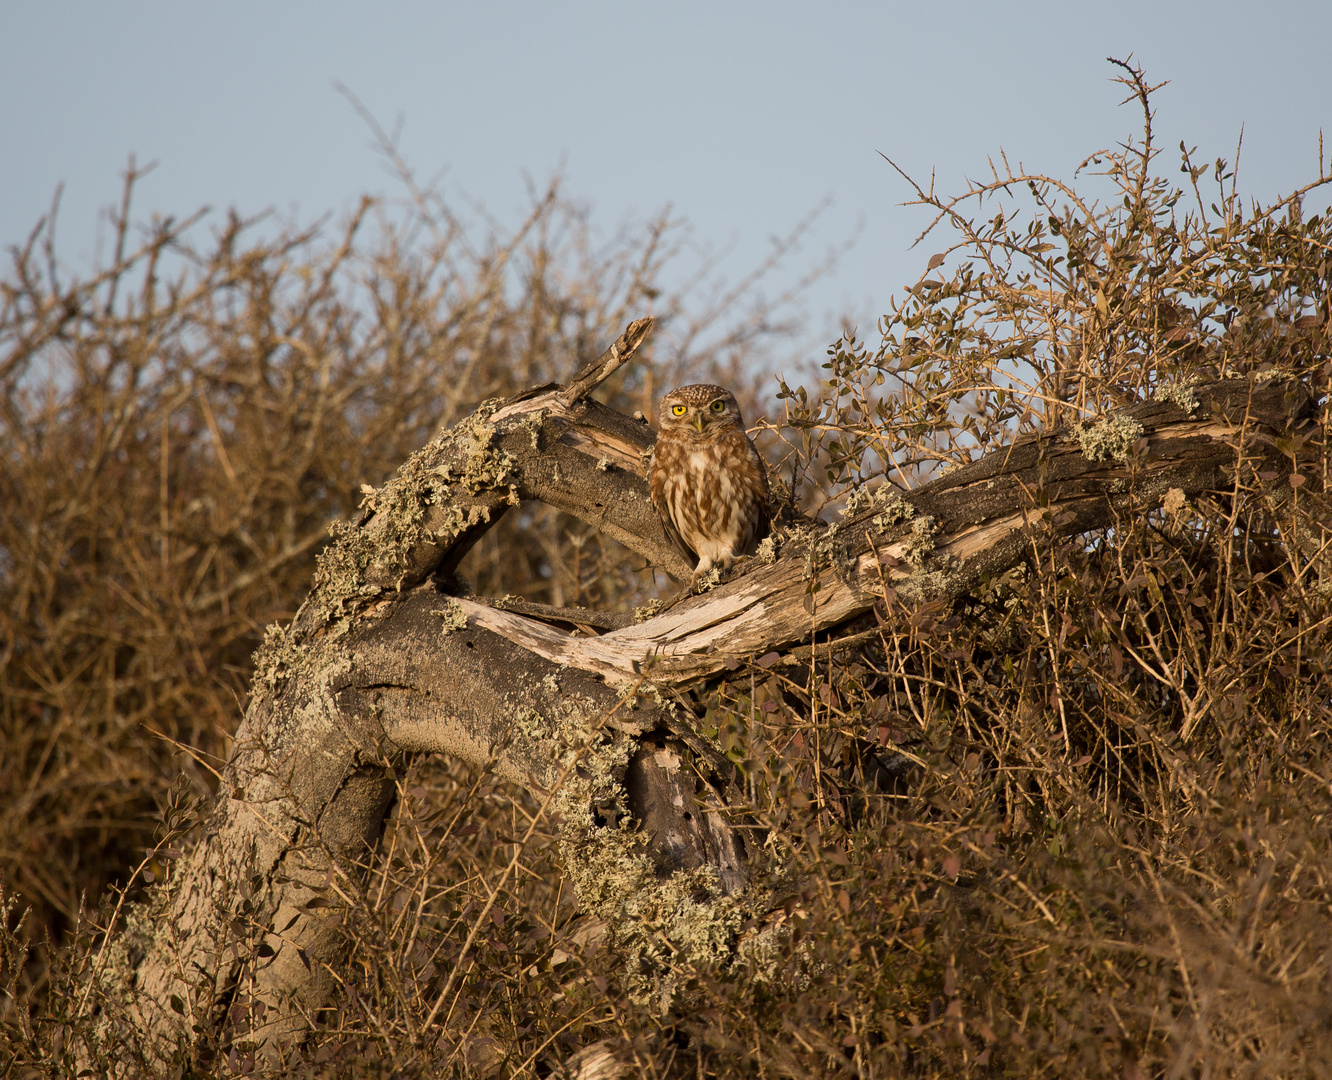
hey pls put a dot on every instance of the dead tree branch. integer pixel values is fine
(381, 661)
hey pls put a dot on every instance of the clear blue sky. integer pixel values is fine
(742, 115)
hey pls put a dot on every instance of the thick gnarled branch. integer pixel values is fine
(940, 541)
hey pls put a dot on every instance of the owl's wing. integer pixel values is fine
(664, 516)
(691, 556)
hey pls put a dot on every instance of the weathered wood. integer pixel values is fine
(585, 618)
(592, 375)
(662, 796)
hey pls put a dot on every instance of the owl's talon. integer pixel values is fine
(707, 580)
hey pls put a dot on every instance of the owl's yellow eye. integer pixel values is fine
(719, 405)
(677, 410)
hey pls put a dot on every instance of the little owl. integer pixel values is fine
(709, 484)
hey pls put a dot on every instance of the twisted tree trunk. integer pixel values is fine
(380, 661)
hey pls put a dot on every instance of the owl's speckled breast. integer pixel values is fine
(709, 484)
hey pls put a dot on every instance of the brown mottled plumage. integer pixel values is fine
(709, 484)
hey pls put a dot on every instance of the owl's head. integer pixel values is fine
(698, 411)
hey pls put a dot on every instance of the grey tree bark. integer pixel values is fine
(366, 672)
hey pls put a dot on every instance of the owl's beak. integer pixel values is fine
(698, 422)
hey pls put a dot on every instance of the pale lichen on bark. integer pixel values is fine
(1109, 439)
(1179, 394)
(657, 926)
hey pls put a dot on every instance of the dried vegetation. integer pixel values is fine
(1077, 824)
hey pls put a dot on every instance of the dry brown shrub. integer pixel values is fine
(1075, 825)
